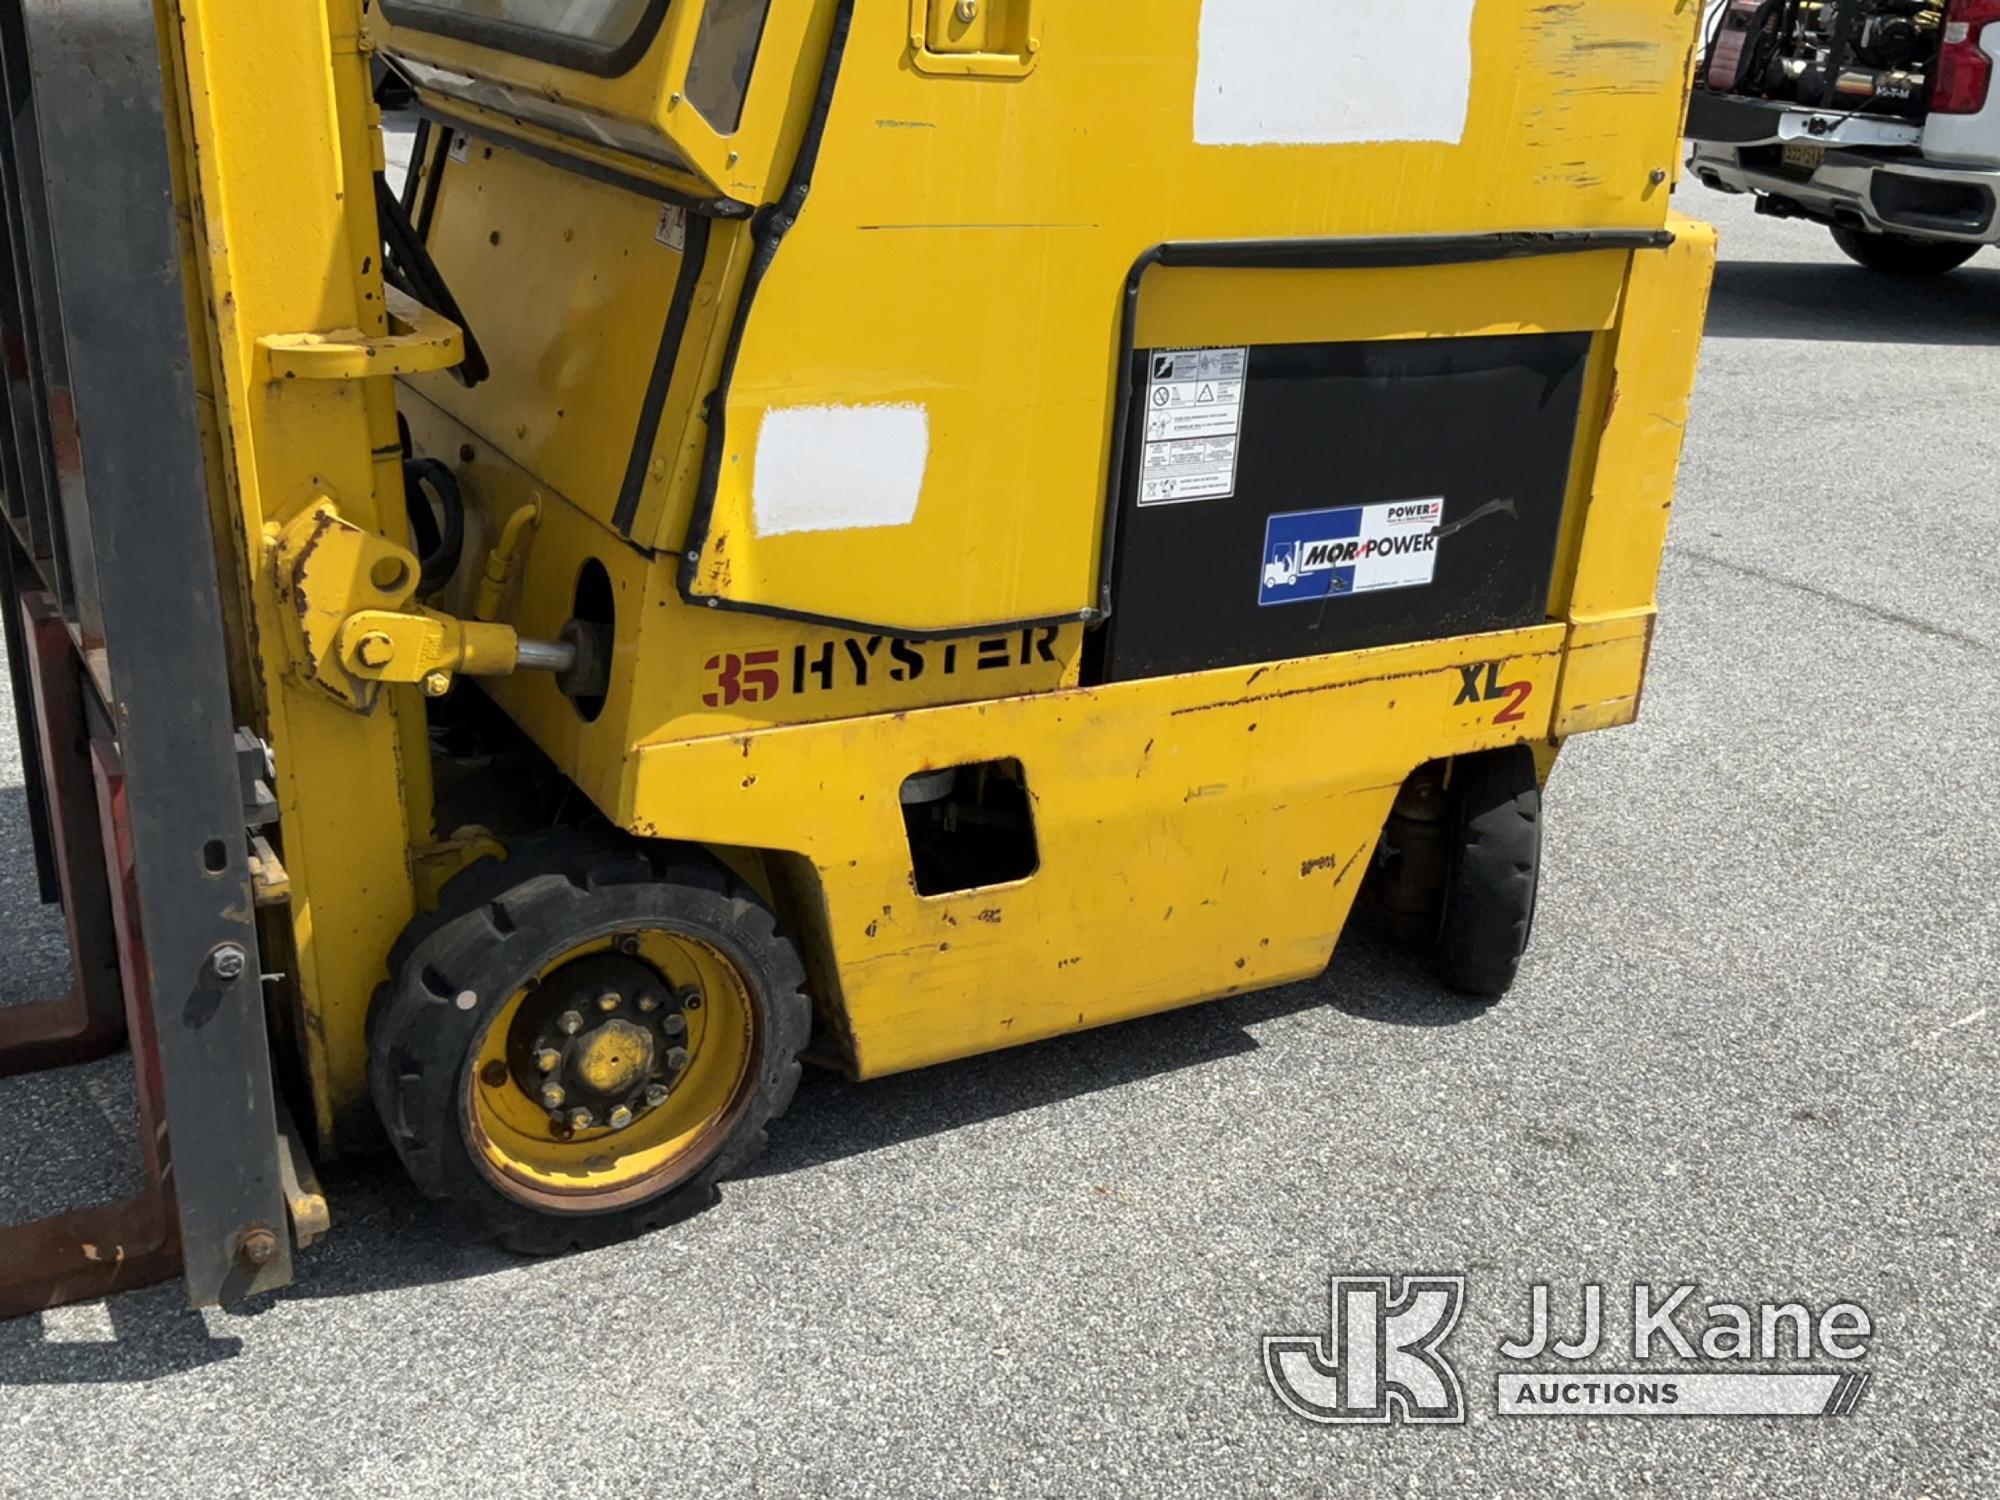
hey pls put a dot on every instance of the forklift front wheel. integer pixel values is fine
(1495, 851)
(584, 1039)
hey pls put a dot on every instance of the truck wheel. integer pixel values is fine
(1495, 853)
(1902, 254)
(584, 1039)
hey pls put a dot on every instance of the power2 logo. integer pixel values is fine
(1480, 683)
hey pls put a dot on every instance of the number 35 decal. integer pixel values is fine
(748, 677)
(1480, 683)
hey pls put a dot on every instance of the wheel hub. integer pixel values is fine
(602, 1043)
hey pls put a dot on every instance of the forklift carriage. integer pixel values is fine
(869, 530)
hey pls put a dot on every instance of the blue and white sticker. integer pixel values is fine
(1359, 549)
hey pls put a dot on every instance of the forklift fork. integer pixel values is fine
(88, 1252)
(114, 624)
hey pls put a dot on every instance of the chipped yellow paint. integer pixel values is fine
(278, 147)
(1199, 836)
(965, 247)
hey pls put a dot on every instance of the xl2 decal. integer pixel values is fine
(1480, 683)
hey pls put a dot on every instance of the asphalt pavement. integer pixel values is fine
(1756, 1045)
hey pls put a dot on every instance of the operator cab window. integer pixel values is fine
(607, 37)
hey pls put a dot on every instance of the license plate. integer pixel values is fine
(1802, 157)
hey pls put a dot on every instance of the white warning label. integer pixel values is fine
(672, 230)
(1194, 421)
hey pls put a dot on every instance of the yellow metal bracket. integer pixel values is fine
(418, 340)
(976, 38)
(349, 598)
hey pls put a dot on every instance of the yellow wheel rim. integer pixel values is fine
(530, 1149)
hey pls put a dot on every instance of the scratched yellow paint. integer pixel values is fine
(262, 204)
(965, 247)
(1199, 836)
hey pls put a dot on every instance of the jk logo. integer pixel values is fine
(1380, 1359)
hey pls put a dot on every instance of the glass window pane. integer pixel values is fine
(724, 49)
(598, 23)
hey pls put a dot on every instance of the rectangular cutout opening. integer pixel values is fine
(969, 826)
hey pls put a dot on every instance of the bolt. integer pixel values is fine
(570, 1023)
(436, 684)
(677, 1058)
(548, 1060)
(552, 1096)
(375, 649)
(1658, 176)
(620, 1117)
(688, 999)
(609, 1000)
(656, 1095)
(968, 11)
(257, 1246)
(229, 961)
(579, 1119)
(628, 945)
(673, 1025)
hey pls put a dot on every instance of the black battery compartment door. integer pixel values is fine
(1377, 492)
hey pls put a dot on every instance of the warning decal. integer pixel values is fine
(1359, 549)
(672, 230)
(1194, 421)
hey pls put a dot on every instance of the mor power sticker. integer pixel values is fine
(1194, 422)
(1358, 549)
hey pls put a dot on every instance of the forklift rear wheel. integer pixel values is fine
(585, 1038)
(1902, 254)
(1495, 849)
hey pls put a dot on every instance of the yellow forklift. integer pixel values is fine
(860, 531)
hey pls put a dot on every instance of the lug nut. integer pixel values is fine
(677, 1058)
(656, 1095)
(552, 1095)
(609, 1000)
(548, 1060)
(673, 1025)
(580, 1119)
(570, 1023)
(649, 1003)
(620, 1117)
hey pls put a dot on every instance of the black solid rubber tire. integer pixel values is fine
(500, 921)
(1902, 254)
(1488, 909)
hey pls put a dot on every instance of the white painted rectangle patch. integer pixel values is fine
(1333, 72)
(839, 468)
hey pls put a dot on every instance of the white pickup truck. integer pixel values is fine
(1877, 118)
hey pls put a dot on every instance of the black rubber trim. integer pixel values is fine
(532, 41)
(694, 254)
(1357, 254)
(717, 207)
